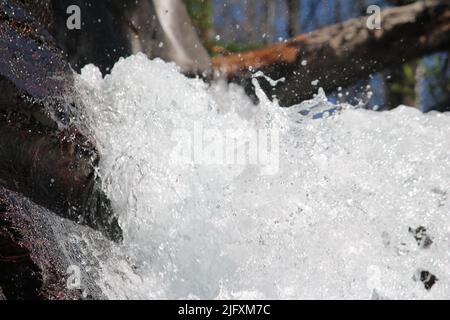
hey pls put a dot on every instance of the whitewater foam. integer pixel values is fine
(332, 222)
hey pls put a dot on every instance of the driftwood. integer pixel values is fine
(43, 154)
(339, 55)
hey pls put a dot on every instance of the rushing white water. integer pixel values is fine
(325, 215)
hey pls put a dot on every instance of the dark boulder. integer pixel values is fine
(111, 29)
(44, 152)
(32, 262)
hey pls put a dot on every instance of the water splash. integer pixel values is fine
(333, 222)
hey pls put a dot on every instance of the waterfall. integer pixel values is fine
(315, 201)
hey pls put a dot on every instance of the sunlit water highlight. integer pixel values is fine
(331, 222)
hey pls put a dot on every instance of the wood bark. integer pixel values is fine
(338, 55)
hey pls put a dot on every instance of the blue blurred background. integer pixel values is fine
(240, 25)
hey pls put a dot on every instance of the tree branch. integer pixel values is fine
(341, 54)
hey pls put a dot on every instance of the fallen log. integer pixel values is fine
(339, 55)
(34, 258)
(44, 153)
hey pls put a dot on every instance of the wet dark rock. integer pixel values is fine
(32, 265)
(45, 153)
(427, 278)
(41, 11)
(37, 252)
(29, 57)
(423, 240)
